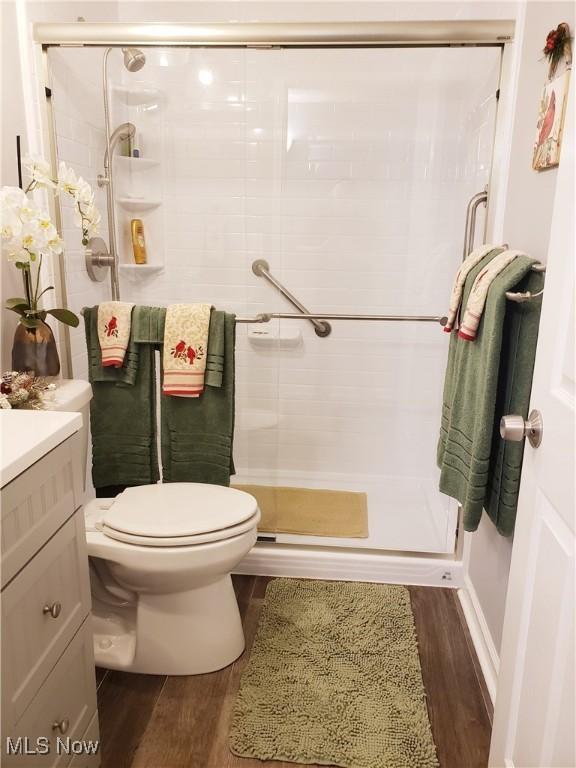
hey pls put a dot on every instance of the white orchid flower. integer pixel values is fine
(55, 244)
(67, 181)
(10, 223)
(40, 171)
(12, 198)
(84, 194)
(15, 250)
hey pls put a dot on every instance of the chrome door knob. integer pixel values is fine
(515, 428)
(53, 610)
(61, 725)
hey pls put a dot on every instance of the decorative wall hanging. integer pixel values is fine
(558, 51)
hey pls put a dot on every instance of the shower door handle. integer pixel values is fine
(470, 226)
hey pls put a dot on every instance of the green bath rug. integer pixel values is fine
(334, 678)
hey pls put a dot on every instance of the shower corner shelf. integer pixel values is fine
(137, 163)
(140, 96)
(141, 270)
(138, 204)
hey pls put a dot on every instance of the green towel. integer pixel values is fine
(122, 414)
(485, 379)
(148, 328)
(197, 433)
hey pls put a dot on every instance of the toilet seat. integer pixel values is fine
(179, 514)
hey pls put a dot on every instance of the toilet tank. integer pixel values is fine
(74, 395)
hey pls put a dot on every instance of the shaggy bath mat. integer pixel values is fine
(334, 678)
(309, 511)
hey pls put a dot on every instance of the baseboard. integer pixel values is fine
(483, 644)
(333, 565)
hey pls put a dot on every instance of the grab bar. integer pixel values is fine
(261, 268)
(470, 226)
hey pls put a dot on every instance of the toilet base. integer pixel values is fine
(183, 633)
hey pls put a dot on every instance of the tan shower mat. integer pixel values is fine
(311, 512)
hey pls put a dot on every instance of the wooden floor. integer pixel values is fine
(149, 721)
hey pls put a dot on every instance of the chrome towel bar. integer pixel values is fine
(520, 296)
(265, 317)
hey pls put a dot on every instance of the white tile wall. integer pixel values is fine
(349, 171)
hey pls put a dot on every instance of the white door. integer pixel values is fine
(534, 718)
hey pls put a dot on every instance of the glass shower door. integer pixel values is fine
(349, 172)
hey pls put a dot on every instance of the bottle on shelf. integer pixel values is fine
(138, 241)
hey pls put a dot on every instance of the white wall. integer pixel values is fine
(526, 224)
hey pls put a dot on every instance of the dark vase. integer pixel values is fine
(34, 349)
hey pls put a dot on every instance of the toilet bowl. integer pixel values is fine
(160, 564)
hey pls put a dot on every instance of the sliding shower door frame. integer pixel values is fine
(274, 560)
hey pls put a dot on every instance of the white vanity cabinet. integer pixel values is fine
(49, 715)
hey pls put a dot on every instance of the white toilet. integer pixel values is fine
(160, 564)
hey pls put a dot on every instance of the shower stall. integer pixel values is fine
(314, 180)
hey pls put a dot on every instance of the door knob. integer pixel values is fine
(53, 610)
(515, 428)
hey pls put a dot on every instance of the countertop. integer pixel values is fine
(26, 436)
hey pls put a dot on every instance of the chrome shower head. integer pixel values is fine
(134, 59)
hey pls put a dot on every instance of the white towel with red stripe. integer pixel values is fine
(467, 265)
(185, 347)
(114, 324)
(479, 292)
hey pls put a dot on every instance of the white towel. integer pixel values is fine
(479, 292)
(456, 298)
(114, 323)
(185, 345)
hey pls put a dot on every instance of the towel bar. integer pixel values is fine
(521, 296)
(265, 317)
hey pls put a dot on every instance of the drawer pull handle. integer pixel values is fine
(53, 610)
(61, 725)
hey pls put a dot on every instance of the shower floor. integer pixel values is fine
(405, 514)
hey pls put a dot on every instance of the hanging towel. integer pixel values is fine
(114, 319)
(475, 257)
(122, 414)
(197, 434)
(148, 328)
(479, 292)
(185, 343)
(483, 381)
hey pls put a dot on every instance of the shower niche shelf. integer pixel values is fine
(138, 203)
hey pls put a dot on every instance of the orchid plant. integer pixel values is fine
(28, 234)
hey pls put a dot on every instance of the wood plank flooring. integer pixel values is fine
(149, 721)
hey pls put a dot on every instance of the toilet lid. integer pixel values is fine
(178, 510)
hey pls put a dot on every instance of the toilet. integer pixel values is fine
(160, 563)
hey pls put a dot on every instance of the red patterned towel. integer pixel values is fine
(456, 298)
(114, 322)
(479, 292)
(185, 343)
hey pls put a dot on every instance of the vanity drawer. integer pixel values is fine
(42, 609)
(68, 696)
(37, 502)
(89, 759)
